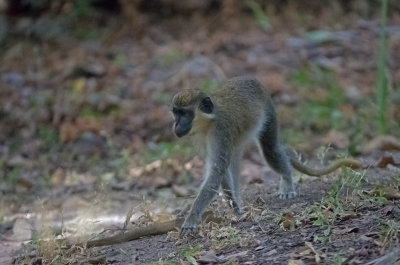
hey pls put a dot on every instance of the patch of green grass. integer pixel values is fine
(10, 177)
(119, 164)
(83, 8)
(48, 135)
(293, 137)
(376, 198)
(170, 57)
(120, 60)
(390, 232)
(323, 112)
(337, 259)
(164, 150)
(333, 205)
(319, 36)
(188, 252)
(357, 133)
(161, 97)
(89, 33)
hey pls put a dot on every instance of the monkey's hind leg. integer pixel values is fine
(277, 158)
(231, 192)
(230, 184)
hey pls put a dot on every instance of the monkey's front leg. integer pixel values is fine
(208, 189)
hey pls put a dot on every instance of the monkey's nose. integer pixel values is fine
(181, 130)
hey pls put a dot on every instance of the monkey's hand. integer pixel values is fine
(286, 190)
(190, 225)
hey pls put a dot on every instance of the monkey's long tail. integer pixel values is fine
(345, 162)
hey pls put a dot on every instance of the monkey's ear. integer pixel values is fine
(206, 105)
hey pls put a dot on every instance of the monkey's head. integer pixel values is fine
(187, 105)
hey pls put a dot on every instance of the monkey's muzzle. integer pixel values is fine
(181, 129)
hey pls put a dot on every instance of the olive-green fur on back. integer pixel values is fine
(239, 104)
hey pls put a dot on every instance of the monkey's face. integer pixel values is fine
(183, 121)
(188, 105)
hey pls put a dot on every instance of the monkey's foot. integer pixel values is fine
(286, 195)
(189, 226)
(286, 190)
(188, 230)
(238, 211)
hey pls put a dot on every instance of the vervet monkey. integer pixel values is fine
(224, 121)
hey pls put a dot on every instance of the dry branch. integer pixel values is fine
(150, 230)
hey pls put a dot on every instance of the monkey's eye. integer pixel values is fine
(176, 111)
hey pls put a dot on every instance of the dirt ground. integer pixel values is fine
(86, 148)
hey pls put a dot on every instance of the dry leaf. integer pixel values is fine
(296, 262)
(128, 217)
(22, 230)
(347, 215)
(386, 160)
(153, 166)
(390, 193)
(272, 252)
(180, 191)
(24, 183)
(78, 85)
(68, 132)
(288, 221)
(316, 254)
(163, 217)
(259, 248)
(58, 177)
(338, 231)
(208, 257)
(159, 182)
(235, 255)
(209, 216)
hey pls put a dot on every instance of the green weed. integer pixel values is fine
(189, 252)
(161, 97)
(164, 150)
(119, 164)
(49, 136)
(390, 232)
(332, 206)
(382, 79)
(293, 137)
(337, 259)
(83, 8)
(322, 151)
(322, 112)
(170, 57)
(259, 15)
(11, 177)
(319, 36)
